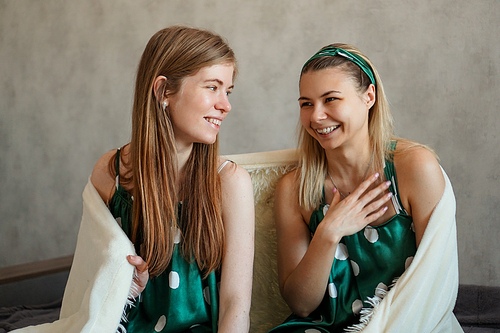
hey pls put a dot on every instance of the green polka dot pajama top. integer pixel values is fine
(178, 300)
(365, 265)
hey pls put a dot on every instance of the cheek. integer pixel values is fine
(200, 98)
(304, 119)
(201, 103)
(180, 112)
(175, 118)
(306, 124)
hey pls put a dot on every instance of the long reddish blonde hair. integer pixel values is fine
(176, 53)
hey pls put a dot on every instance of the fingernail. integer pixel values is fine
(334, 189)
(385, 208)
(376, 175)
(388, 183)
(389, 195)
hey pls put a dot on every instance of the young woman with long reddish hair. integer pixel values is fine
(188, 211)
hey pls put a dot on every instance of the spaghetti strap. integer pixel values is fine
(390, 174)
(117, 167)
(223, 165)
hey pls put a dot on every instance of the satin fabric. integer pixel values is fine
(365, 261)
(178, 300)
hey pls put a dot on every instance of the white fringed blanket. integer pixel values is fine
(421, 301)
(100, 277)
(423, 298)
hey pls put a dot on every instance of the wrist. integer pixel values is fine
(327, 236)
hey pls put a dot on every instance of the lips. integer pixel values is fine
(327, 130)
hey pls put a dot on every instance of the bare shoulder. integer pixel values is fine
(237, 201)
(233, 175)
(287, 192)
(101, 178)
(288, 183)
(286, 204)
(419, 174)
(236, 186)
(416, 161)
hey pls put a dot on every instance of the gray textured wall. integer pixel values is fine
(66, 83)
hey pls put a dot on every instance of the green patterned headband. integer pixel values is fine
(333, 51)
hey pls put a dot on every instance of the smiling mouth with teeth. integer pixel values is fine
(327, 130)
(214, 121)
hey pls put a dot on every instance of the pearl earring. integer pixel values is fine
(164, 105)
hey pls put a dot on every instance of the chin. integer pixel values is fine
(207, 141)
(328, 144)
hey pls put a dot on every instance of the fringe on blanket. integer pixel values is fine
(133, 294)
(367, 312)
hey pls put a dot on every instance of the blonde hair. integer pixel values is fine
(313, 163)
(176, 53)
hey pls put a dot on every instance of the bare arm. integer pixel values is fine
(303, 269)
(103, 181)
(421, 184)
(304, 264)
(237, 266)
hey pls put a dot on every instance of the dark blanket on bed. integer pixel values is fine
(15, 317)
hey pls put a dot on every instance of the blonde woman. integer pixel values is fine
(350, 219)
(188, 212)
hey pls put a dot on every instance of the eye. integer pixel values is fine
(213, 88)
(229, 92)
(330, 99)
(305, 104)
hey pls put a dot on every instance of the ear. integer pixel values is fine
(370, 96)
(159, 93)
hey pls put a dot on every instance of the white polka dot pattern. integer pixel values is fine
(312, 330)
(173, 280)
(341, 252)
(408, 262)
(379, 289)
(357, 305)
(160, 325)
(177, 235)
(325, 209)
(206, 294)
(332, 290)
(355, 268)
(371, 234)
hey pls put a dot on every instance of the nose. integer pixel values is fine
(223, 103)
(318, 113)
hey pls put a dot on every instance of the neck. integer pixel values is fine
(349, 167)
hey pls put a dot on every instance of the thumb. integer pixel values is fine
(138, 262)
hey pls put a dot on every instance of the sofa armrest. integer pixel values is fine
(35, 269)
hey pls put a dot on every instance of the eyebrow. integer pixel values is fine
(219, 82)
(301, 98)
